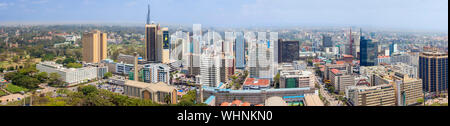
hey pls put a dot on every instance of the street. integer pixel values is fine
(327, 95)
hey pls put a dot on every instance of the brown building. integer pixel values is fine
(94, 46)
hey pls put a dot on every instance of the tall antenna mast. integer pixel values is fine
(148, 13)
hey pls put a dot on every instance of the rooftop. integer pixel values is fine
(161, 86)
(335, 71)
(348, 56)
(257, 82)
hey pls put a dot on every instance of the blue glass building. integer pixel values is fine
(368, 52)
(240, 51)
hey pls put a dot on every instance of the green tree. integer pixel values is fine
(2, 69)
(59, 61)
(276, 81)
(420, 100)
(108, 75)
(88, 89)
(26, 81)
(43, 77)
(54, 80)
(69, 60)
(74, 65)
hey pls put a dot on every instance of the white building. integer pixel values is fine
(210, 69)
(71, 76)
(261, 58)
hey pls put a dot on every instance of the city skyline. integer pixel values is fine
(414, 15)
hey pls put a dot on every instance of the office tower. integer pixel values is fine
(228, 51)
(150, 42)
(368, 52)
(260, 58)
(210, 68)
(194, 68)
(94, 46)
(289, 51)
(274, 47)
(433, 70)
(249, 39)
(381, 95)
(164, 49)
(326, 41)
(240, 51)
(351, 41)
(180, 47)
(392, 48)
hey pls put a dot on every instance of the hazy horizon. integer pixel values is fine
(428, 15)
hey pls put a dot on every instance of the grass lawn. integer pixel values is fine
(2, 93)
(15, 89)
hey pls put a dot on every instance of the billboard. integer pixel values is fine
(166, 43)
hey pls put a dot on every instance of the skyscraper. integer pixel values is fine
(368, 52)
(240, 51)
(151, 31)
(94, 46)
(157, 46)
(433, 70)
(194, 68)
(261, 58)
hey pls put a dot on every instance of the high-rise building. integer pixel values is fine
(194, 68)
(157, 46)
(261, 58)
(210, 69)
(368, 52)
(94, 46)
(151, 31)
(326, 41)
(433, 70)
(289, 51)
(164, 49)
(392, 48)
(240, 51)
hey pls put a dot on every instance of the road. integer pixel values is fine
(330, 98)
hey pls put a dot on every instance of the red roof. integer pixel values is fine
(340, 62)
(225, 104)
(257, 82)
(383, 56)
(348, 56)
(335, 71)
(246, 104)
(236, 103)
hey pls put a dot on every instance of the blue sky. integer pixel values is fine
(411, 14)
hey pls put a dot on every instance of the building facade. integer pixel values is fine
(433, 70)
(94, 46)
(289, 51)
(368, 53)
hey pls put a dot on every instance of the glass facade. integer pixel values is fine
(368, 52)
(240, 50)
